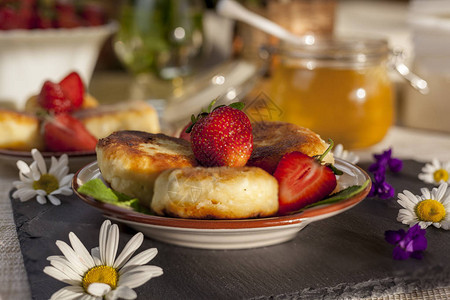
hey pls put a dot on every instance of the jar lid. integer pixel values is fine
(338, 50)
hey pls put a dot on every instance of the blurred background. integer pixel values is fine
(179, 55)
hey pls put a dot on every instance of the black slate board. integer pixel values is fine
(345, 255)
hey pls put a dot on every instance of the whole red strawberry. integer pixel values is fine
(222, 137)
(73, 88)
(62, 97)
(66, 133)
(52, 98)
(303, 180)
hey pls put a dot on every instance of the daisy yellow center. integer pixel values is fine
(101, 274)
(440, 174)
(430, 210)
(47, 182)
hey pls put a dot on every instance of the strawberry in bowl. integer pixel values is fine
(41, 40)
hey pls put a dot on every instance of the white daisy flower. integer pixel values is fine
(35, 181)
(100, 275)
(436, 172)
(339, 152)
(431, 208)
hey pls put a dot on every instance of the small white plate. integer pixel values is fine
(226, 234)
(77, 159)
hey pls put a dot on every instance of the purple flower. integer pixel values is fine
(386, 159)
(381, 189)
(379, 185)
(407, 244)
(395, 165)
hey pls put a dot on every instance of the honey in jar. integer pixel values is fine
(338, 88)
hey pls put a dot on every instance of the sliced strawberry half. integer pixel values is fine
(73, 89)
(66, 133)
(302, 180)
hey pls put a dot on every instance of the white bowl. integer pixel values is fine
(29, 57)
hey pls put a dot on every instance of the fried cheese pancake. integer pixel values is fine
(272, 140)
(20, 131)
(215, 193)
(106, 119)
(130, 161)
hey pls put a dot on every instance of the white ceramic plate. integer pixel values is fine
(226, 234)
(77, 159)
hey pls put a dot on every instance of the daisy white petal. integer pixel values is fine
(62, 191)
(66, 180)
(83, 254)
(64, 266)
(20, 184)
(121, 292)
(99, 289)
(41, 199)
(141, 258)
(39, 159)
(59, 275)
(68, 293)
(112, 244)
(72, 257)
(103, 240)
(439, 192)
(339, 152)
(53, 200)
(25, 179)
(23, 167)
(140, 276)
(133, 244)
(60, 173)
(24, 194)
(95, 252)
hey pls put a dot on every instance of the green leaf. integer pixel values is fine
(336, 197)
(96, 189)
(237, 105)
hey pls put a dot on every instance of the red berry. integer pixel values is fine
(93, 14)
(8, 18)
(222, 138)
(73, 89)
(184, 135)
(66, 133)
(302, 181)
(52, 98)
(66, 15)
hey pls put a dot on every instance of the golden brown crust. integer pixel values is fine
(216, 193)
(26, 128)
(131, 160)
(271, 140)
(105, 119)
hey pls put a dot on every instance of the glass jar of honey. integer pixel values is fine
(339, 88)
